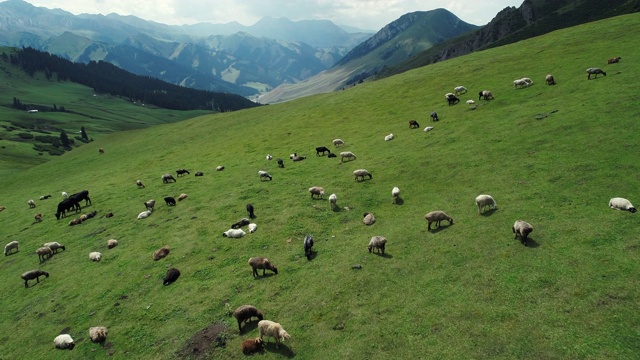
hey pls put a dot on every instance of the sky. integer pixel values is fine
(363, 14)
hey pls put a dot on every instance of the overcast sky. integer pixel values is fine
(364, 14)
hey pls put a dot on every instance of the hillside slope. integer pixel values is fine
(550, 155)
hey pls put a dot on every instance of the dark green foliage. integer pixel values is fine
(25, 135)
(64, 139)
(55, 141)
(83, 133)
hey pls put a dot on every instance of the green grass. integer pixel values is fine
(465, 291)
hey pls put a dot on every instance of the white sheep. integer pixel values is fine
(234, 233)
(264, 175)
(64, 195)
(522, 229)
(144, 214)
(55, 246)
(98, 334)
(437, 216)
(619, 204)
(44, 253)
(10, 246)
(338, 142)
(361, 173)
(470, 102)
(377, 242)
(368, 219)
(253, 227)
(428, 128)
(485, 200)
(388, 137)
(522, 83)
(269, 157)
(111, 243)
(333, 199)
(486, 95)
(31, 203)
(64, 341)
(140, 184)
(274, 330)
(95, 256)
(458, 90)
(595, 71)
(395, 194)
(317, 190)
(347, 155)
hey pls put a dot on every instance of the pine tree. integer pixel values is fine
(64, 139)
(84, 133)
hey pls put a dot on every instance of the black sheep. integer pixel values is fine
(434, 116)
(413, 124)
(241, 223)
(170, 200)
(452, 99)
(181, 172)
(308, 244)
(172, 275)
(280, 162)
(322, 150)
(250, 211)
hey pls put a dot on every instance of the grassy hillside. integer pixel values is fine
(550, 155)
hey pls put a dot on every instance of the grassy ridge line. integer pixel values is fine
(466, 291)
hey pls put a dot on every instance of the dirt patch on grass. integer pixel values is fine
(204, 342)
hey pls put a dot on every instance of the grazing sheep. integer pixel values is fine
(111, 243)
(395, 194)
(182, 196)
(264, 175)
(253, 227)
(333, 199)
(64, 341)
(594, 71)
(274, 330)
(389, 137)
(347, 155)
(234, 233)
(437, 216)
(161, 253)
(338, 142)
(451, 99)
(250, 346)
(144, 214)
(434, 116)
(485, 200)
(33, 274)
(219, 168)
(98, 334)
(181, 172)
(377, 242)
(614, 60)
(31, 203)
(622, 204)
(64, 195)
(44, 253)
(171, 276)
(37, 217)
(280, 162)
(245, 313)
(199, 173)
(486, 95)
(167, 177)
(459, 90)
(361, 173)
(308, 244)
(263, 263)
(413, 124)
(317, 190)
(368, 219)
(522, 229)
(55, 246)
(140, 184)
(550, 80)
(242, 222)
(95, 256)
(101, 151)
(250, 211)
(522, 83)
(10, 246)
(170, 201)
(45, 197)
(77, 221)
(150, 204)
(269, 157)
(322, 150)
(299, 158)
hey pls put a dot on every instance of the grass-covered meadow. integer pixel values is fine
(550, 155)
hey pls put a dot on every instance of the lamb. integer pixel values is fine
(253, 227)
(621, 204)
(522, 229)
(37, 217)
(413, 124)
(451, 99)
(167, 177)
(280, 163)
(486, 95)
(395, 194)
(459, 90)
(274, 330)
(308, 244)
(10, 246)
(98, 334)
(182, 196)
(377, 242)
(181, 172)
(437, 216)
(150, 204)
(234, 233)
(434, 116)
(31, 203)
(550, 80)
(614, 60)
(111, 243)
(44, 253)
(347, 155)
(317, 190)
(144, 214)
(161, 253)
(64, 341)
(140, 184)
(264, 175)
(250, 211)
(338, 142)
(171, 276)
(246, 312)
(333, 198)
(388, 137)
(259, 262)
(45, 197)
(242, 222)
(95, 256)
(55, 246)
(361, 173)
(33, 274)
(368, 219)
(170, 201)
(322, 150)
(250, 346)
(594, 71)
(64, 195)
(485, 200)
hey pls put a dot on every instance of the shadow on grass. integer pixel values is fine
(386, 256)
(399, 201)
(249, 326)
(265, 276)
(489, 212)
(336, 208)
(530, 243)
(283, 350)
(439, 228)
(313, 255)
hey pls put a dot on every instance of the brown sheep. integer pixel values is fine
(263, 263)
(250, 346)
(436, 217)
(44, 253)
(182, 197)
(161, 253)
(101, 151)
(614, 60)
(38, 217)
(245, 313)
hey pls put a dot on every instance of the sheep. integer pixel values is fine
(91, 214)
(338, 142)
(395, 194)
(550, 80)
(37, 217)
(44, 253)
(250, 346)
(485, 200)
(140, 184)
(333, 198)
(486, 95)
(299, 158)
(437, 216)
(413, 124)
(144, 214)
(199, 173)
(522, 229)
(101, 151)
(428, 128)
(64, 195)
(317, 190)
(377, 242)
(253, 227)
(219, 168)
(83, 217)
(234, 233)
(55, 246)
(170, 201)
(621, 204)
(614, 60)
(451, 99)
(95, 256)
(291, 156)
(308, 244)
(111, 243)
(389, 137)
(280, 163)
(274, 330)
(33, 274)
(322, 150)
(2, 208)
(522, 83)
(77, 221)
(250, 210)
(98, 334)
(594, 71)
(182, 196)
(161, 253)
(347, 155)
(240, 223)
(459, 90)
(245, 313)
(31, 203)
(269, 157)
(171, 276)
(181, 172)
(361, 173)
(259, 262)
(368, 219)
(10, 246)
(150, 204)
(264, 175)
(434, 116)
(45, 197)
(470, 102)
(64, 341)
(166, 177)
(109, 214)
